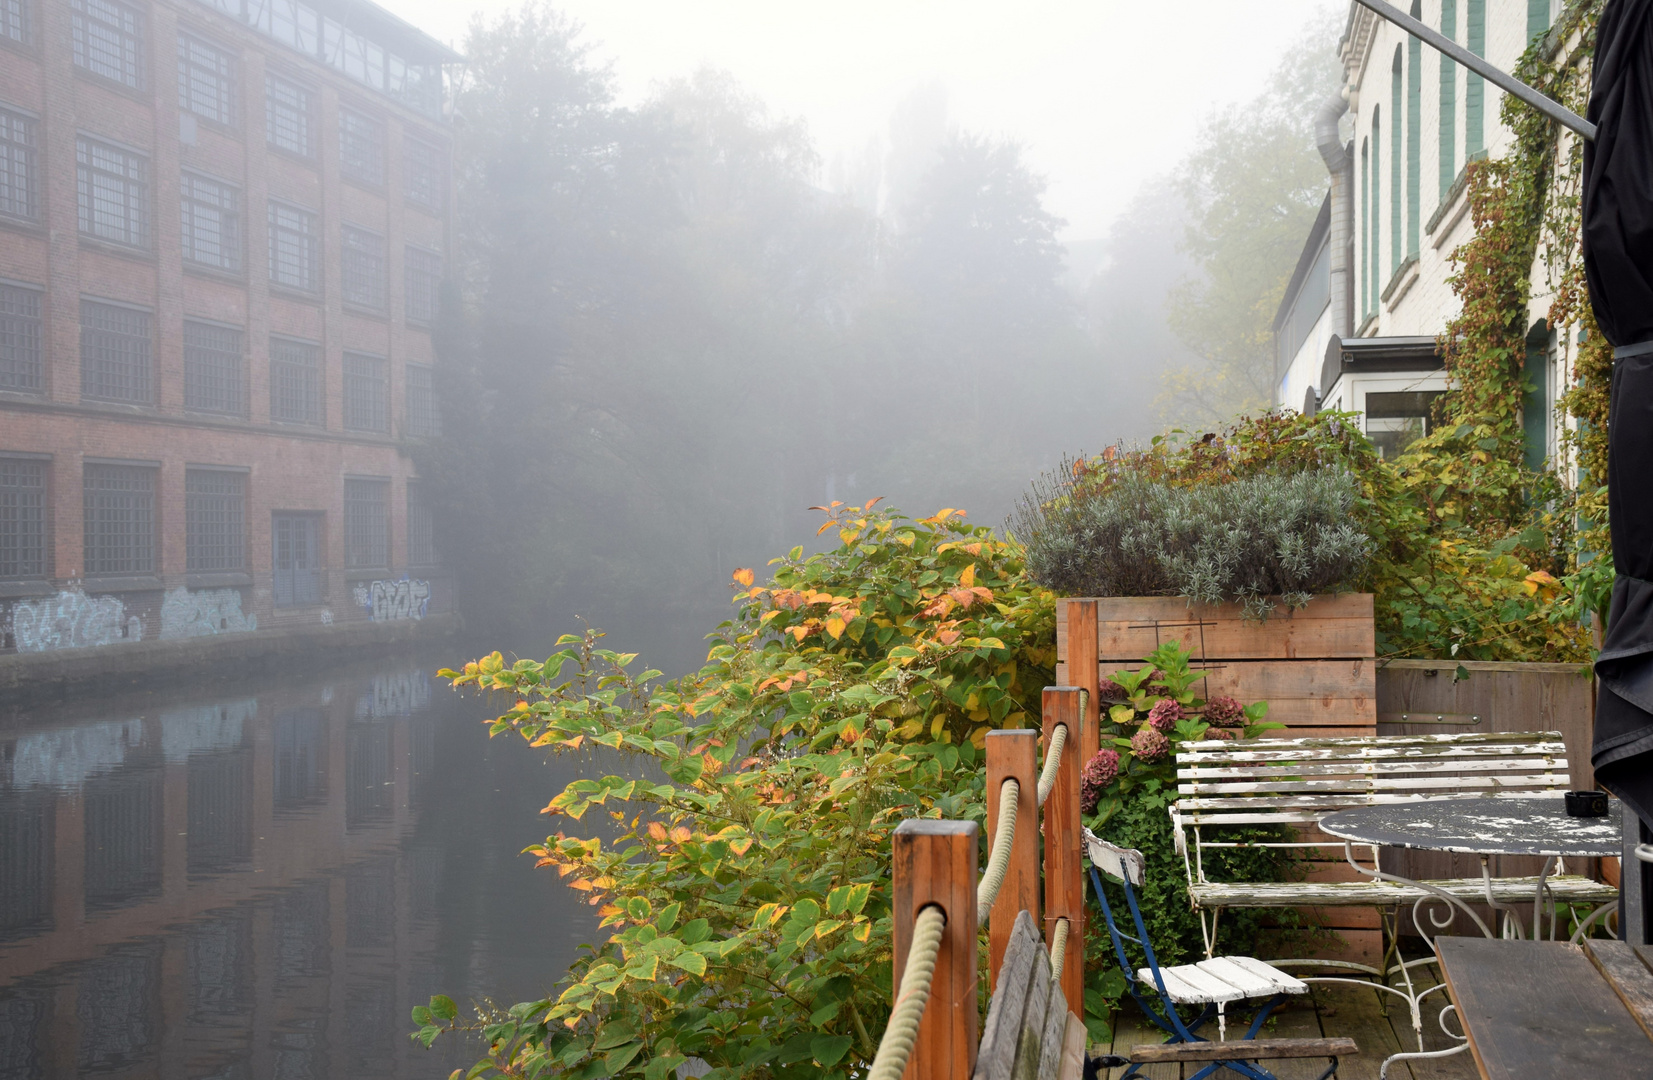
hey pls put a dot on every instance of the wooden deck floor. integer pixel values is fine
(1335, 1009)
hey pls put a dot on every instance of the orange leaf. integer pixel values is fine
(872, 502)
(744, 576)
(681, 834)
(835, 627)
(657, 831)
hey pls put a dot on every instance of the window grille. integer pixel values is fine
(115, 359)
(215, 535)
(366, 394)
(22, 518)
(120, 519)
(211, 223)
(361, 147)
(295, 382)
(425, 173)
(19, 157)
(424, 281)
(113, 190)
(424, 417)
(421, 528)
(296, 539)
(362, 268)
(366, 523)
(294, 253)
(14, 21)
(206, 80)
(213, 379)
(108, 40)
(287, 117)
(20, 364)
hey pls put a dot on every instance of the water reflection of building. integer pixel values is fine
(218, 891)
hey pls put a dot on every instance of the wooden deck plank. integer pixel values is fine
(1130, 1029)
(1458, 1066)
(1353, 1011)
(1627, 975)
(1535, 1008)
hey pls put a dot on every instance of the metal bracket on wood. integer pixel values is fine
(1460, 719)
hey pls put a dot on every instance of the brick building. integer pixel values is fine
(222, 228)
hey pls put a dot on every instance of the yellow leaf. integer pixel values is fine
(968, 578)
(744, 576)
(835, 627)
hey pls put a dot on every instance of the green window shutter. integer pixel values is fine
(1535, 403)
(1474, 86)
(1449, 102)
(1538, 18)
(1414, 136)
(1396, 149)
(1377, 210)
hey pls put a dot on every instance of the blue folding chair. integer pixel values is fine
(1210, 984)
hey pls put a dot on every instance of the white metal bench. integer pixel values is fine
(1298, 781)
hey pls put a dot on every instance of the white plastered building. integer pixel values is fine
(1357, 327)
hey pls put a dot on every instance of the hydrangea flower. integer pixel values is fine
(1164, 715)
(1224, 712)
(1100, 772)
(1148, 744)
(1112, 691)
(1221, 734)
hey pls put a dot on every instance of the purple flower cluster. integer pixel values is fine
(1164, 715)
(1148, 744)
(1112, 691)
(1224, 712)
(1099, 773)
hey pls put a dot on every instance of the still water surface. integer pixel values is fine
(259, 880)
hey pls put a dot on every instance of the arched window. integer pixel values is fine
(1414, 133)
(1449, 102)
(1474, 87)
(1396, 149)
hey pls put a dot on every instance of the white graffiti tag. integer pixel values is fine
(72, 620)
(387, 601)
(203, 613)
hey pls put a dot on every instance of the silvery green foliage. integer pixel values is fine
(1246, 540)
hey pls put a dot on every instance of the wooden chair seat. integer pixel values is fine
(1567, 888)
(1223, 979)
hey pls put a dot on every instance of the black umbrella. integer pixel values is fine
(1618, 264)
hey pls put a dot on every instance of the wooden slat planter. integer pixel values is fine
(1316, 667)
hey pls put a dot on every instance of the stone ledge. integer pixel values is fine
(133, 665)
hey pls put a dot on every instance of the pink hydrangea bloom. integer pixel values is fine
(1224, 712)
(1112, 691)
(1164, 715)
(1221, 734)
(1148, 744)
(1099, 773)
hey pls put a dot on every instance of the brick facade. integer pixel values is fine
(287, 467)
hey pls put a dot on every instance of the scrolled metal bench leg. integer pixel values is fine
(1463, 1044)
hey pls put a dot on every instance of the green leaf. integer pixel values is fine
(443, 1006)
(693, 933)
(427, 1035)
(848, 898)
(692, 962)
(661, 1066)
(619, 1059)
(829, 1050)
(612, 1034)
(668, 917)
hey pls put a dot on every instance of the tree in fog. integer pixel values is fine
(1253, 186)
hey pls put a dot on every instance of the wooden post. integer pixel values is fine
(1064, 881)
(1013, 755)
(935, 863)
(1084, 672)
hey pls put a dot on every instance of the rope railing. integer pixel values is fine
(1058, 950)
(902, 1031)
(998, 860)
(1053, 758)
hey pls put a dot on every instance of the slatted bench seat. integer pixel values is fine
(1297, 781)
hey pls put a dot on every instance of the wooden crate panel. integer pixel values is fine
(1128, 628)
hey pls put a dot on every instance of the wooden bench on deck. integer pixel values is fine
(1297, 781)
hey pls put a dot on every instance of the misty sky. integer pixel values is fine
(1103, 94)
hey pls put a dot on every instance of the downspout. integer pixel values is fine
(1336, 155)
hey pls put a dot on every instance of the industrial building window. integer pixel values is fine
(206, 79)
(366, 393)
(211, 222)
(214, 372)
(295, 381)
(424, 173)
(20, 366)
(215, 533)
(115, 357)
(362, 268)
(108, 40)
(423, 418)
(288, 117)
(120, 519)
(19, 157)
(424, 281)
(22, 518)
(367, 523)
(421, 528)
(361, 147)
(14, 21)
(296, 539)
(294, 248)
(113, 189)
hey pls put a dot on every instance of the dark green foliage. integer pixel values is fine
(1288, 535)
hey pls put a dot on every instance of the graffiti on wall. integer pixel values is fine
(387, 601)
(204, 612)
(72, 620)
(396, 694)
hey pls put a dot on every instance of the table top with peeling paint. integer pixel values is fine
(1482, 827)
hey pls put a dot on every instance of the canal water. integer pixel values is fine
(260, 879)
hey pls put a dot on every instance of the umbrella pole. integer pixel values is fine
(1635, 885)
